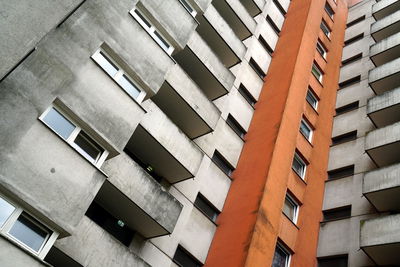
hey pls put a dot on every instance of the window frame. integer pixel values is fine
(324, 26)
(187, 5)
(314, 96)
(12, 219)
(74, 134)
(235, 126)
(285, 250)
(321, 49)
(247, 95)
(308, 125)
(300, 159)
(329, 10)
(157, 36)
(315, 67)
(202, 198)
(296, 206)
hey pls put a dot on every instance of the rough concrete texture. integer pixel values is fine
(383, 136)
(383, 178)
(385, 77)
(381, 230)
(391, 42)
(386, 26)
(384, 101)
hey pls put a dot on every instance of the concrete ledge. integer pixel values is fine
(385, 109)
(384, 8)
(386, 50)
(385, 27)
(385, 77)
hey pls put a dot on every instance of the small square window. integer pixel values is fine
(247, 95)
(281, 257)
(6, 209)
(222, 163)
(61, 125)
(317, 72)
(189, 8)
(87, 147)
(206, 207)
(321, 49)
(329, 10)
(291, 208)
(325, 29)
(312, 99)
(306, 130)
(235, 126)
(184, 259)
(299, 166)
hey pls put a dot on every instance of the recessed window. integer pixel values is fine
(299, 165)
(154, 33)
(235, 126)
(253, 64)
(281, 257)
(273, 25)
(306, 130)
(354, 39)
(291, 208)
(118, 75)
(25, 230)
(74, 135)
(347, 108)
(341, 172)
(329, 10)
(312, 99)
(317, 72)
(188, 7)
(333, 261)
(184, 259)
(337, 214)
(222, 163)
(351, 59)
(350, 136)
(354, 22)
(349, 82)
(325, 29)
(206, 207)
(264, 43)
(247, 95)
(280, 7)
(321, 49)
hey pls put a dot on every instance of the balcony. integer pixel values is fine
(382, 188)
(135, 195)
(386, 50)
(384, 109)
(184, 103)
(220, 37)
(385, 77)
(205, 68)
(383, 145)
(254, 7)
(384, 8)
(386, 27)
(380, 239)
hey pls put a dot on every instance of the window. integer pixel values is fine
(25, 230)
(74, 135)
(265, 45)
(352, 59)
(154, 33)
(325, 29)
(184, 259)
(354, 22)
(206, 207)
(350, 81)
(306, 130)
(354, 39)
(337, 214)
(118, 75)
(321, 49)
(317, 72)
(281, 257)
(256, 68)
(312, 99)
(344, 138)
(222, 163)
(341, 172)
(335, 261)
(291, 208)
(115, 227)
(273, 25)
(247, 96)
(235, 126)
(347, 108)
(329, 10)
(299, 166)
(280, 8)
(188, 7)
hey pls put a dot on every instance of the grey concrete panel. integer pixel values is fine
(254, 7)
(386, 50)
(385, 109)
(384, 8)
(385, 77)
(386, 26)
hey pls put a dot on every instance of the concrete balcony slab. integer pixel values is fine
(386, 50)
(384, 8)
(384, 109)
(254, 7)
(386, 26)
(385, 77)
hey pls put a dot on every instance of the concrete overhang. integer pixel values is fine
(385, 77)
(384, 109)
(205, 68)
(186, 105)
(135, 197)
(382, 188)
(386, 27)
(380, 239)
(384, 8)
(383, 145)
(254, 7)
(236, 15)
(220, 37)
(386, 50)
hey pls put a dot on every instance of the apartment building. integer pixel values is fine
(361, 224)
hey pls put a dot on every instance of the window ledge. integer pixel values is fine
(294, 224)
(304, 181)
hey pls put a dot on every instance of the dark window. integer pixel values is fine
(235, 126)
(329, 10)
(148, 168)
(350, 81)
(279, 6)
(324, 27)
(281, 257)
(344, 138)
(265, 45)
(312, 99)
(206, 207)
(354, 22)
(337, 214)
(57, 258)
(222, 163)
(354, 39)
(256, 68)
(185, 259)
(108, 222)
(336, 261)
(246, 95)
(341, 172)
(347, 108)
(352, 59)
(273, 25)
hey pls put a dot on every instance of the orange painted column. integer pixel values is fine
(252, 219)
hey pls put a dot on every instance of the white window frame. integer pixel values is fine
(296, 207)
(189, 8)
(303, 163)
(324, 27)
(321, 49)
(330, 14)
(71, 138)
(152, 30)
(120, 73)
(307, 125)
(10, 221)
(289, 255)
(319, 74)
(311, 93)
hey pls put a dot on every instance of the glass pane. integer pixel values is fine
(28, 232)
(5, 211)
(305, 130)
(289, 209)
(311, 99)
(142, 18)
(280, 258)
(160, 40)
(129, 87)
(59, 123)
(298, 166)
(105, 64)
(87, 147)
